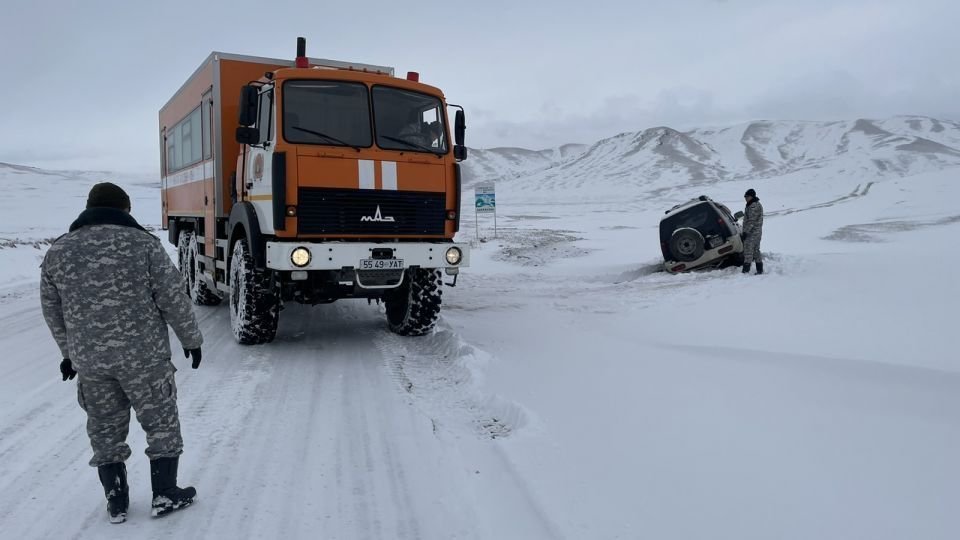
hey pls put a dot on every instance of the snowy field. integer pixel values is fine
(571, 391)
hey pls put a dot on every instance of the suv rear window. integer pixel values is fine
(702, 217)
(727, 213)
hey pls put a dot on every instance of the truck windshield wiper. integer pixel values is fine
(411, 144)
(325, 136)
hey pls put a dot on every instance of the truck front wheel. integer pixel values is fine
(197, 289)
(254, 299)
(414, 307)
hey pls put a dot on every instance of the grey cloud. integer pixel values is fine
(89, 77)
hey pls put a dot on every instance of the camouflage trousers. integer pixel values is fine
(106, 398)
(751, 250)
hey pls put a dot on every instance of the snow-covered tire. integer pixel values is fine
(197, 288)
(686, 244)
(414, 307)
(254, 299)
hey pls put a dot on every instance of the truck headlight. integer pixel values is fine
(300, 257)
(454, 255)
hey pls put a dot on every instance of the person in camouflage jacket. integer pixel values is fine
(752, 231)
(108, 291)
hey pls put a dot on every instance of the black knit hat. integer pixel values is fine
(108, 195)
(750, 193)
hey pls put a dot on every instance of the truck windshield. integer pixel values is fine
(409, 121)
(326, 112)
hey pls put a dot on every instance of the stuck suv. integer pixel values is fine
(701, 233)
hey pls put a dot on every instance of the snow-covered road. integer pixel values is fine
(318, 435)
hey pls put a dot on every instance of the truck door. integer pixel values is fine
(257, 170)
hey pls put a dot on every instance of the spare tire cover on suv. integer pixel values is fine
(686, 244)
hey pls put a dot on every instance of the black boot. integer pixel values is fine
(746, 268)
(759, 268)
(113, 476)
(167, 497)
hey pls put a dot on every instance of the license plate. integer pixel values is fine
(381, 264)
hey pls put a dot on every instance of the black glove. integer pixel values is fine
(66, 369)
(197, 355)
(743, 236)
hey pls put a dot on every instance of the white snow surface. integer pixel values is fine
(572, 390)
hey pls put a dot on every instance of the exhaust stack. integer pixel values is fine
(302, 61)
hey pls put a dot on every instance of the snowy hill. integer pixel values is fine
(664, 158)
(483, 164)
(39, 204)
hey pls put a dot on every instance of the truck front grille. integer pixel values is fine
(370, 212)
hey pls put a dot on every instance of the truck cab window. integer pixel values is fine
(409, 121)
(265, 117)
(326, 112)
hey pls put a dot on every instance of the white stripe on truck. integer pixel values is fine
(367, 174)
(389, 170)
(197, 173)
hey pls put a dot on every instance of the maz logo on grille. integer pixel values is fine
(378, 217)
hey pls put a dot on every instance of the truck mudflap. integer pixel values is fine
(366, 256)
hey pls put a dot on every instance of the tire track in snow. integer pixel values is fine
(322, 387)
(42, 437)
(304, 437)
(40, 480)
(434, 372)
(855, 194)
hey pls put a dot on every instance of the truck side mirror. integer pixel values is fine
(248, 135)
(459, 128)
(738, 215)
(459, 152)
(249, 104)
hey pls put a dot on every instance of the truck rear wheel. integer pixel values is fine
(254, 299)
(414, 307)
(197, 289)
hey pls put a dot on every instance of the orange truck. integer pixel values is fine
(310, 181)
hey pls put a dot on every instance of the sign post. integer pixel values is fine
(485, 201)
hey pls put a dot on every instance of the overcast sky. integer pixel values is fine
(84, 80)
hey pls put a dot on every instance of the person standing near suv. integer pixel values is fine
(108, 291)
(752, 231)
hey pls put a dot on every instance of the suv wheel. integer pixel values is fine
(686, 244)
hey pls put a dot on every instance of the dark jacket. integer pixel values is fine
(753, 219)
(108, 291)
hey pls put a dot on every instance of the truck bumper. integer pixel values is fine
(340, 255)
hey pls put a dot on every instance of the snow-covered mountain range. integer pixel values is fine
(662, 157)
(496, 162)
